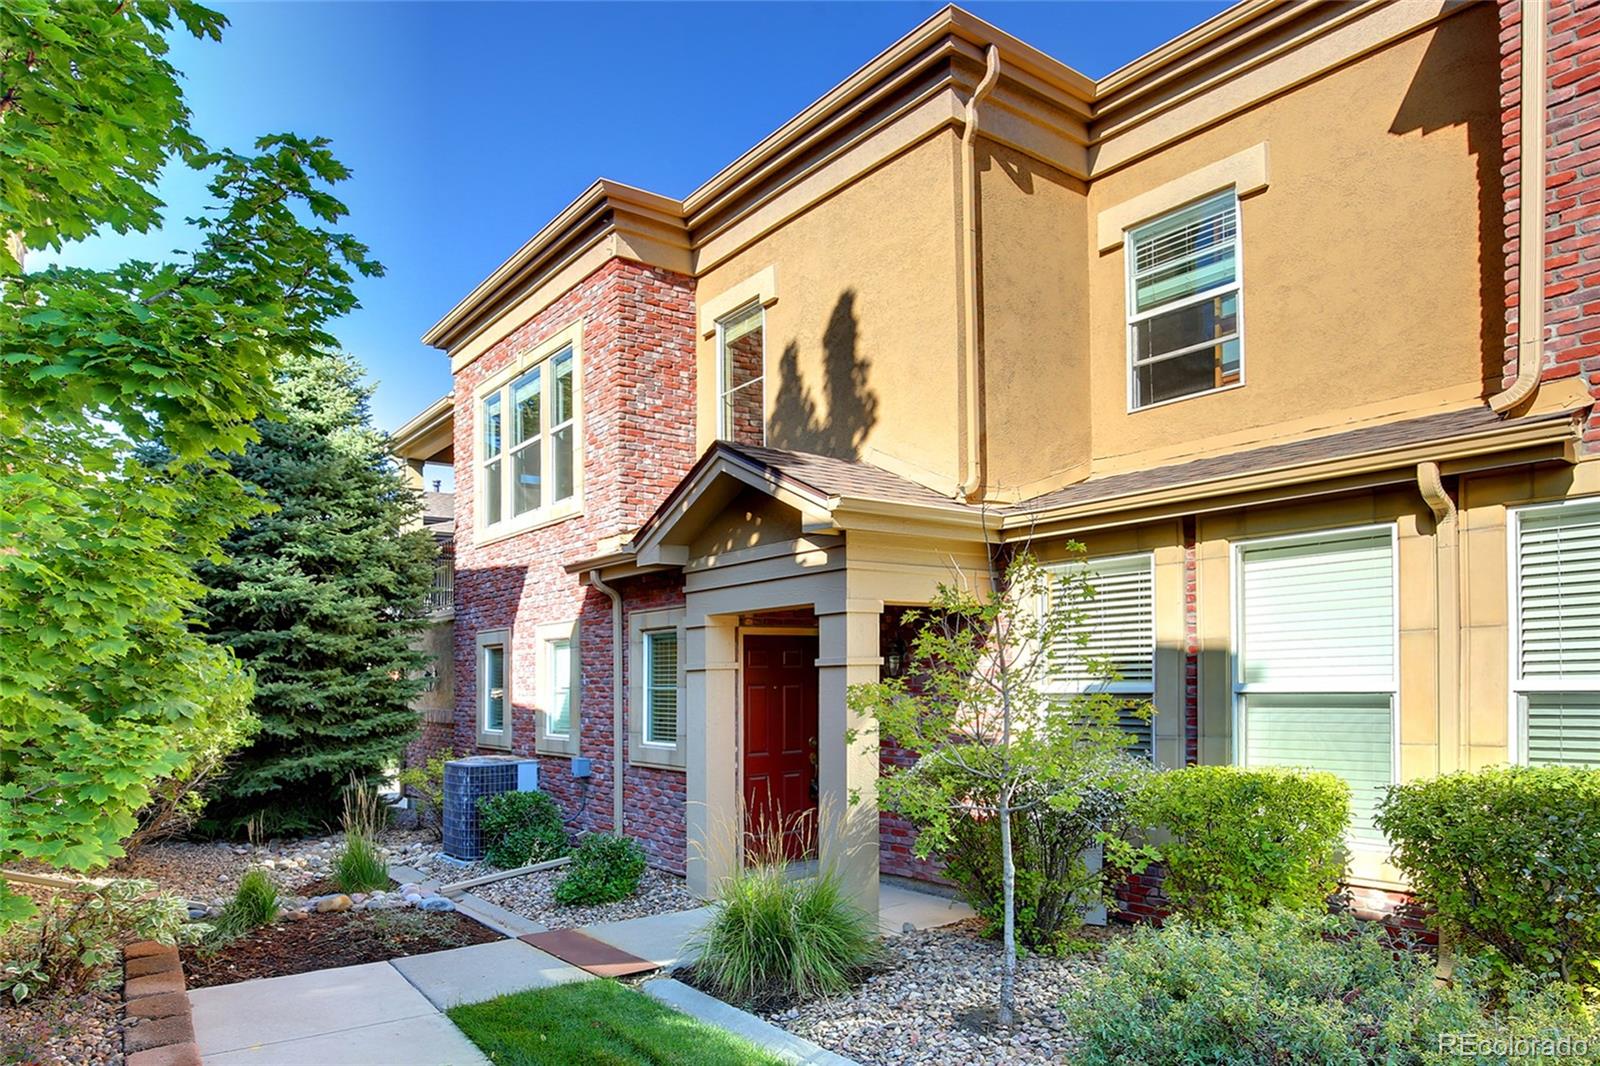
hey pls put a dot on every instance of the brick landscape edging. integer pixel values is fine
(161, 1029)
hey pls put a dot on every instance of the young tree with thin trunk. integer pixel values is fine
(991, 738)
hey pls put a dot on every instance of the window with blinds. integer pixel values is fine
(661, 686)
(1183, 302)
(1110, 645)
(1316, 663)
(1556, 672)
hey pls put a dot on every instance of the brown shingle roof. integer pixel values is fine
(826, 476)
(439, 513)
(1431, 428)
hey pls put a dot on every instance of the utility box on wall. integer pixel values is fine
(468, 780)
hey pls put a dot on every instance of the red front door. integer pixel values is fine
(780, 739)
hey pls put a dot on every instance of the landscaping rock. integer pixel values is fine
(327, 904)
(532, 896)
(436, 903)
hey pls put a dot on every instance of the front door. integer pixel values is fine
(780, 740)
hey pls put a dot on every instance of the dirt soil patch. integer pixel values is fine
(324, 941)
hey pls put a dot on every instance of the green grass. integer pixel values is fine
(601, 1023)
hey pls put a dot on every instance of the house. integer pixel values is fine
(1253, 319)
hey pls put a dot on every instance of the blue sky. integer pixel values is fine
(469, 125)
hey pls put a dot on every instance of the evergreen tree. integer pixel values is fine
(322, 597)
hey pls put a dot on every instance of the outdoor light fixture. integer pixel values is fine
(894, 664)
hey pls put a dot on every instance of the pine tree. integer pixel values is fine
(322, 598)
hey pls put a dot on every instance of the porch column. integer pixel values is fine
(848, 832)
(712, 793)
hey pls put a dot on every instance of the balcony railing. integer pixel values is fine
(441, 597)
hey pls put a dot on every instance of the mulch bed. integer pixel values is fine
(328, 940)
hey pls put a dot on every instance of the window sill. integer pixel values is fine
(485, 535)
(565, 750)
(497, 742)
(657, 757)
(1180, 399)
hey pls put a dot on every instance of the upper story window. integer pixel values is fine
(528, 444)
(1183, 302)
(741, 372)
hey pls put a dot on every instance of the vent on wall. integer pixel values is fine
(468, 780)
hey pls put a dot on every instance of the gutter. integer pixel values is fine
(972, 474)
(617, 768)
(1530, 236)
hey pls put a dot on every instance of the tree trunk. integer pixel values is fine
(1008, 882)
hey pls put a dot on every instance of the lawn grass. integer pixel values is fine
(599, 1022)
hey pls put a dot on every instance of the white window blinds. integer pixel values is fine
(1556, 682)
(1114, 629)
(661, 686)
(1316, 673)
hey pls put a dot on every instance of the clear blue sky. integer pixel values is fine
(469, 125)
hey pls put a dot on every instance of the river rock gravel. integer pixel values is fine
(62, 1030)
(533, 897)
(930, 1003)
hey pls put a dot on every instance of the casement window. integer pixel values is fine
(558, 686)
(661, 687)
(741, 373)
(1184, 302)
(1110, 643)
(1555, 669)
(1315, 682)
(494, 688)
(528, 467)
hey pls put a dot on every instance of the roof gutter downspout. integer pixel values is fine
(972, 473)
(617, 769)
(1530, 196)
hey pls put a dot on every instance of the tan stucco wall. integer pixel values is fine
(750, 520)
(862, 343)
(1035, 321)
(1366, 258)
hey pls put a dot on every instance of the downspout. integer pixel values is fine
(972, 473)
(1447, 585)
(1530, 237)
(617, 769)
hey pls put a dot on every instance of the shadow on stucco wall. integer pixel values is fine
(849, 410)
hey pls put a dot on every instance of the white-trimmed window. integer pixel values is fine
(1113, 632)
(661, 687)
(559, 688)
(656, 690)
(1184, 299)
(1555, 650)
(528, 452)
(1316, 662)
(494, 688)
(741, 376)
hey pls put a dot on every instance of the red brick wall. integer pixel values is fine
(638, 437)
(897, 837)
(1571, 211)
(652, 800)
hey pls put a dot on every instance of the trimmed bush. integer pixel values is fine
(1054, 884)
(520, 829)
(774, 939)
(605, 868)
(1237, 840)
(1293, 988)
(1508, 859)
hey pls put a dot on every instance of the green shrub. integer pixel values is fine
(604, 869)
(1234, 840)
(360, 865)
(254, 904)
(1291, 988)
(520, 829)
(1048, 843)
(73, 943)
(427, 784)
(1509, 861)
(775, 939)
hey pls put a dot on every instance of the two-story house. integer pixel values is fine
(1255, 319)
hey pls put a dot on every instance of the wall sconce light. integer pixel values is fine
(894, 663)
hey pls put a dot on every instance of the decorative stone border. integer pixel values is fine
(159, 1028)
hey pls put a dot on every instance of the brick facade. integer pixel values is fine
(638, 394)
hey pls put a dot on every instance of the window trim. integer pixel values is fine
(1516, 688)
(722, 373)
(1239, 690)
(545, 742)
(548, 512)
(640, 751)
(1132, 317)
(492, 738)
